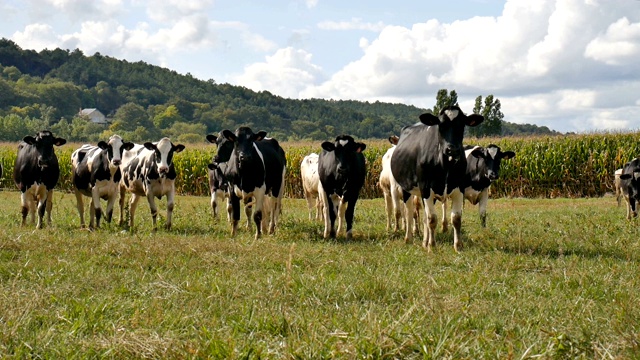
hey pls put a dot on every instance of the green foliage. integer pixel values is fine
(493, 117)
(64, 82)
(444, 99)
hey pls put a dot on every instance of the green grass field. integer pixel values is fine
(549, 278)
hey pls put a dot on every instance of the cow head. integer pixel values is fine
(451, 122)
(243, 145)
(43, 143)
(492, 156)
(164, 150)
(114, 148)
(224, 146)
(345, 149)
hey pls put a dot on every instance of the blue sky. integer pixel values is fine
(571, 65)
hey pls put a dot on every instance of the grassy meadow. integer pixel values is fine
(548, 278)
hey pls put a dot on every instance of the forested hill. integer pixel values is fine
(142, 101)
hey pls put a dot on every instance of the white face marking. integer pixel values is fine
(116, 143)
(343, 142)
(493, 152)
(164, 147)
(451, 114)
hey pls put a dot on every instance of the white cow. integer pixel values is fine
(151, 173)
(310, 182)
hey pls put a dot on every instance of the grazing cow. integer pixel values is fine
(310, 182)
(429, 162)
(150, 172)
(96, 174)
(219, 185)
(630, 185)
(256, 168)
(342, 171)
(393, 205)
(617, 184)
(483, 167)
(36, 173)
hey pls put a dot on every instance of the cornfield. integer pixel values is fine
(567, 166)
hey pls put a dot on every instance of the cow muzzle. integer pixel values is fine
(116, 162)
(163, 170)
(453, 153)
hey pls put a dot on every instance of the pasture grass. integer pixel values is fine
(550, 278)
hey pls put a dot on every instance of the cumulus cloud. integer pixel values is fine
(74, 10)
(285, 73)
(549, 57)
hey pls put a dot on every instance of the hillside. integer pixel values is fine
(142, 101)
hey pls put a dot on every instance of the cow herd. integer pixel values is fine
(425, 164)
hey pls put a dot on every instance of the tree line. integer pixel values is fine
(47, 89)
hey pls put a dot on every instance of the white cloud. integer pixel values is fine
(353, 24)
(37, 37)
(620, 45)
(170, 11)
(285, 73)
(311, 3)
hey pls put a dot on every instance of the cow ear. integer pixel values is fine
(508, 155)
(149, 146)
(212, 138)
(429, 119)
(212, 166)
(229, 135)
(360, 147)
(328, 146)
(394, 139)
(29, 140)
(128, 146)
(59, 141)
(261, 135)
(478, 152)
(103, 145)
(474, 120)
(178, 148)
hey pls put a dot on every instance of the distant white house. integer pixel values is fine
(94, 115)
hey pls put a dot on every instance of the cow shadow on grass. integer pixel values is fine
(552, 250)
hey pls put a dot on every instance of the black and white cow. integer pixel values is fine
(151, 173)
(342, 171)
(429, 162)
(96, 174)
(219, 185)
(483, 167)
(630, 186)
(36, 173)
(255, 169)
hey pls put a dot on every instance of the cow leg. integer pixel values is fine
(154, 211)
(110, 204)
(319, 209)
(248, 210)
(310, 204)
(445, 220)
(95, 205)
(133, 203)
(229, 209)
(121, 202)
(631, 208)
(457, 200)
(170, 204)
(92, 215)
(235, 209)
(80, 206)
(214, 204)
(348, 215)
(49, 205)
(430, 223)
(389, 208)
(25, 206)
(409, 208)
(484, 199)
(258, 212)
